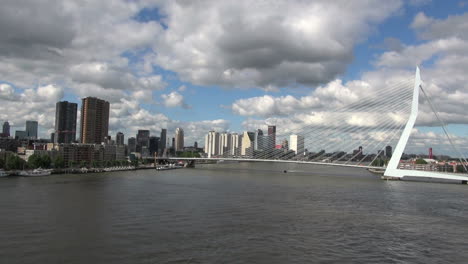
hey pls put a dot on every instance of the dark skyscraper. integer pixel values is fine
(131, 144)
(142, 139)
(31, 129)
(94, 120)
(119, 138)
(179, 139)
(6, 129)
(162, 140)
(65, 122)
(271, 137)
(388, 151)
(153, 145)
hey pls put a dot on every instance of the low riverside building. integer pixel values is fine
(90, 154)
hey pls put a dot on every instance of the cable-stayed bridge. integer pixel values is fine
(376, 124)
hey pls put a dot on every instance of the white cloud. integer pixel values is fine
(272, 44)
(174, 99)
(75, 43)
(30, 104)
(333, 95)
(7, 92)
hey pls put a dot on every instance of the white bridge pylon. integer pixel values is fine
(392, 169)
(341, 136)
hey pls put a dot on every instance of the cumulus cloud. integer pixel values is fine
(272, 44)
(7, 92)
(333, 95)
(30, 104)
(174, 99)
(443, 58)
(445, 79)
(75, 43)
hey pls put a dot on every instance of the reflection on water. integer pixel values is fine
(231, 213)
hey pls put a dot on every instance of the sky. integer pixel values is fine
(229, 65)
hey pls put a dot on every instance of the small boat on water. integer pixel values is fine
(3, 173)
(36, 172)
(169, 167)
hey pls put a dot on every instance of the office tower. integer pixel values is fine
(296, 143)
(248, 141)
(195, 145)
(6, 129)
(31, 129)
(179, 139)
(142, 139)
(131, 144)
(65, 122)
(52, 137)
(235, 144)
(260, 140)
(108, 140)
(285, 144)
(212, 144)
(94, 120)
(173, 144)
(20, 134)
(153, 145)
(162, 141)
(388, 151)
(271, 137)
(224, 142)
(120, 138)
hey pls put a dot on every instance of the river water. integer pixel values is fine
(232, 213)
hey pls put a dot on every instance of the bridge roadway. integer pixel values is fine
(277, 161)
(405, 173)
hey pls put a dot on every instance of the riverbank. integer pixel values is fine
(86, 170)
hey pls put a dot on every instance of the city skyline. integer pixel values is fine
(229, 83)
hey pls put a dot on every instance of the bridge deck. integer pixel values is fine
(399, 172)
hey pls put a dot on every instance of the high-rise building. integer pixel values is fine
(248, 143)
(236, 141)
(271, 137)
(120, 138)
(6, 129)
(142, 139)
(296, 143)
(285, 144)
(31, 129)
(153, 145)
(131, 144)
(224, 143)
(179, 139)
(261, 141)
(195, 145)
(65, 122)
(94, 120)
(388, 151)
(20, 134)
(212, 144)
(162, 141)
